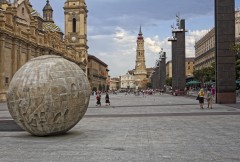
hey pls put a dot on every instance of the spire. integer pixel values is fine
(140, 33)
(140, 30)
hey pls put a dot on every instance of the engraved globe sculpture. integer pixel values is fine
(48, 95)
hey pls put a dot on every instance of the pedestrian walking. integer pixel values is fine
(161, 91)
(237, 91)
(107, 100)
(201, 98)
(98, 97)
(209, 98)
(213, 91)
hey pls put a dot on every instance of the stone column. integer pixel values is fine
(179, 60)
(174, 64)
(225, 58)
(163, 71)
(158, 76)
(153, 80)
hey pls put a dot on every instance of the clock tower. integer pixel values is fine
(75, 12)
(140, 71)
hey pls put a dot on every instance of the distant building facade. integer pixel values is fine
(115, 84)
(205, 50)
(128, 81)
(189, 64)
(97, 73)
(24, 34)
(169, 69)
(205, 47)
(237, 25)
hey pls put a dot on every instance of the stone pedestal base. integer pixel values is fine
(9, 126)
(226, 98)
(3, 96)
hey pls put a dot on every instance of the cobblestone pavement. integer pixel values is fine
(135, 129)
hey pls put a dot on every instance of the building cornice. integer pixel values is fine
(97, 59)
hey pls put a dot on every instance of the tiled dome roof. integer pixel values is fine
(50, 26)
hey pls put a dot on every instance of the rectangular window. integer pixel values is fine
(6, 80)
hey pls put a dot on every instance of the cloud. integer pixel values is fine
(128, 13)
(121, 54)
(113, 27)
(191, 38)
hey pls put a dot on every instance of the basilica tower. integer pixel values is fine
(140, 71)
(48, 12)
(75, 12)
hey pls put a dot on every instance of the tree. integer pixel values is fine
(236, 48)
(149, 85)
(103, 87)
(205, 74)
(169, 81)
(238, 68)
(100, 87)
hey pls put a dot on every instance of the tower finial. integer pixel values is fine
(140, 33)
(48, 12)
(140, 30)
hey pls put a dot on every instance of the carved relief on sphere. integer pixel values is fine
(48, 95)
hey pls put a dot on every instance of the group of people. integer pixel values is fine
(98, 97)
(210, 95)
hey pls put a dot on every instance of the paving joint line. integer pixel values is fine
(162, 114)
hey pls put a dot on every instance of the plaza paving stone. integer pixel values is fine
(135, 129)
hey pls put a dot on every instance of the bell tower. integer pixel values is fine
(140, 71)
(75, 12)
(48, 12)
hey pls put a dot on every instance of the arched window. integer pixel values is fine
(22, 10)
(74, 25)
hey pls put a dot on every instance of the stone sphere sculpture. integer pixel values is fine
(48, 95)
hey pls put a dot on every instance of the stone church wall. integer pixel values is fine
(19, 42)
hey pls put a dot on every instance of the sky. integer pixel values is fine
(113, 27)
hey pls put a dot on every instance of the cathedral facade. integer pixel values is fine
(25, 34)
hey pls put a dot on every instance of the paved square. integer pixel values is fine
(134, 128)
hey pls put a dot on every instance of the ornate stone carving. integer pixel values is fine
(48, 95)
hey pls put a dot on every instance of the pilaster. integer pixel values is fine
(14, 57)
(19, 54)
(2, 77)
(28, 52)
